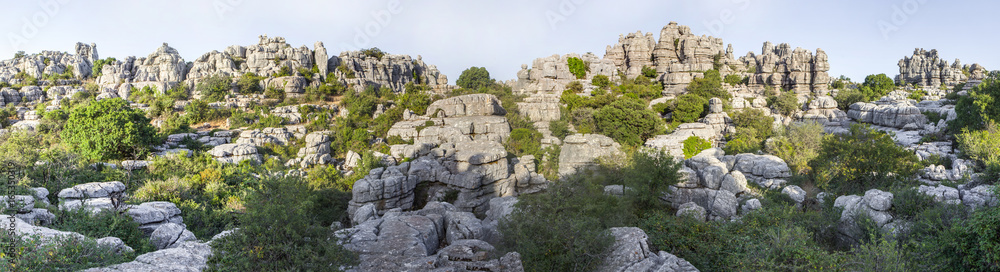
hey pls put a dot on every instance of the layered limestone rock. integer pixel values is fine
(712, 128)
(438, 237)
(478, 117)
(875, 204)
(79, 65)
(927, 69)
(235, 153)
(269, 55)
(783, 68)
(541, 107)
(163, 69)
(261, 137)
(708, 182)
(768, 171)
(895, 114)
(823, 110)
(315, 152)
(46, 235)
(631, 252)
(549, 75)
(580, 150)
(390, 71)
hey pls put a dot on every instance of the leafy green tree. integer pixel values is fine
(109, 129)
(373, 52)
(648, 72)
(559, 128)
(709, 86)
(984, 147)
(981, 106)
(524, 141)
(752, 128)
(577, 67)
(863, 159)
(214, 88)
(786, 103)
(627, 121)
(797, 145)
(734, 79)
(876, 86)
(249, 83)
(475, 78)
(689, 107)
(846, 97)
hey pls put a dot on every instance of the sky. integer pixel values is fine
(860, 37)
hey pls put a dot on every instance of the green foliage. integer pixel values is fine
(109, 129)
(103, 224)
(838, 84)
(249, 83)
(524, 141)
(475, 78)
(583, 120)
(647, 173)
(918, 95)
(559, 129)
(984, 147)
(734, 79)
(574, 87)
(694, 145)
(577, 67)
(199, 111)
(346, 71)
(863, 159)
(64, 253)
(709, 86)
(648, 72)
(564, 228)
(786, 103)
(373, 52)
(279, 232)
(980, 107)
(909, 203)
(628, 122)
(689, 108)
(846, 97)
(601, 81)
(416, 98)
(99, 66)
(876, 86)
(752, 128)
(214, 88)
(797, 145)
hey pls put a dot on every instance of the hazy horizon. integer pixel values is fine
(860, 37)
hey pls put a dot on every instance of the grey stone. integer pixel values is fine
(878, 200)
(795, 192)
(693, 210)
(169, 235)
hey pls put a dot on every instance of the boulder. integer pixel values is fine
(235, 153)
(170, 235)
(580, 150)
(693, 210)
(466, 105)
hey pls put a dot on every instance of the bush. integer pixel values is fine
(709, 86)
(863, 159)
(648, 173)
(274, 93)
(877, 86)
(574, 87)
(786, 103)
(797, 145)
(601, 81)
(694, 145)
(373, 52)
(980, 107)
(559, 129)
(346, 71)
(909, 203)
(214, 88)
(109, 129)
(249, 83)
(846, 97)
(280, 232)
(752, 128)
(64, 253)
(416, 98)
(475, 78)
(689, 107)
(984, 147)
(564, 228)
(577, 67)
(648, 72)
(918, 95)
(628, 122)
(734, 79)
(583, 120)
(524, 141)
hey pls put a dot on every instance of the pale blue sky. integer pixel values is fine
(502, 35)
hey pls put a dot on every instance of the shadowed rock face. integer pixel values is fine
(926, 69)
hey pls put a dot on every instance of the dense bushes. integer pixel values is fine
(797, 145)
(475, 78)
(785, 103)
(752, 128)
(628, 122)
(601, 81)
(689, 107)
(647, 173)
(734, 79)
(249, 83)
(984, 147)
(577, 67)
(214, 88)
(863, 159)
(709, 86)
(279, 231)
(981, 106)
(109, 129)
(103, 224)
(846, 97)
(99, 66)
(64, 253)
(524, 141)
(876, 86)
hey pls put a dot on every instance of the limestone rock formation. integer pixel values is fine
(235, 153)
(580, 150)
(631, 252)
(927, 69)
(549, 75)
(80, 65)
(390, 71)
(94, 196)
(783, 68)
(541, 107)
(894, 114)
(823, 110)
(709, 183)
(163, 69)
(316, 151)
(474, 117)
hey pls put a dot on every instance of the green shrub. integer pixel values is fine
(475, 78)
(577, 67)
(563, 228)
(574, 87)
(524, 141)
(109, 129)
(863, 159)
(689, 107)
(628, 122)
(694, 145)
(709, 86)
(797, 145)
(786, 103)
(64, 253)
(734, 79)
(416, 98)
(583, 120)
(648, 173)
(601, 81)
(648, 72)
(846, 97)
(918, 95)
(249, 83)
(752, 128)
(876, 86)
(984, 147)
(104, 224)
(664, 108)
(980, 107)
(346, 71)
(373, 52)
(99, 66)
(274, 93)
(214, 88)
(559, 129)
(279, 232)
(908, 203)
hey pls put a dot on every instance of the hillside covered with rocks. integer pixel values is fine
(667, 153)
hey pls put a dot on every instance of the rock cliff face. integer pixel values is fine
(162, 70)
(50, 63)
(549, 75)
(781, 67)
(390, 71)
(925, 68)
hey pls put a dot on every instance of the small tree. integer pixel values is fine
(214, 88)
(876, 86)
(627, 121)
(475, 78)
(601, 81)
(862, 159)
(109, 129)
(694, 145)
(688, 108)
(577, 67)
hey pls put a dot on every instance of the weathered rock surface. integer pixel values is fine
(46, 63)
(390, 71)
(94, 196)
(875, 204)
(630, 252)
(550, 75)
(708, 182)
(190, 256)
(261, 137)
(235, 153)
(579, 151)
(926, 68)
(170, 235)
(540, 107)
(894, 114)
(783, 68)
